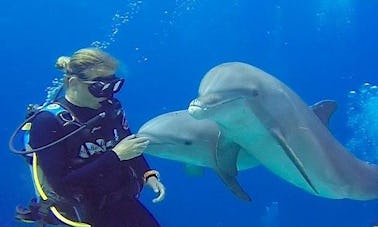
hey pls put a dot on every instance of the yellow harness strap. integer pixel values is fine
(44, 197)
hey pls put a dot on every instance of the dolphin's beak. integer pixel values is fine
(195, 109)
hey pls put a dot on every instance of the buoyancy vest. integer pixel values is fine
(65, 211)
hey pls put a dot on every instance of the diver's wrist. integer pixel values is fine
(151, 173)
(117, 154)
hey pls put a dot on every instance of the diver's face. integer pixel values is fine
(79, 94)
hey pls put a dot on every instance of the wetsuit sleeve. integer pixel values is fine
(55, 161)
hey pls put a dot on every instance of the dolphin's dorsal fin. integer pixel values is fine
(226, 156)
(324, 110)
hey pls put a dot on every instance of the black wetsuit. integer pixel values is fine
(83, 168)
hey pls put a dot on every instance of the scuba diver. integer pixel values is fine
(87, 167)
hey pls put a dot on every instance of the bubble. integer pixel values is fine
(133, 7)
(271, 215)
(340, 13)
(362, 112)
(52, 92)
(120, 18)
(181, 7)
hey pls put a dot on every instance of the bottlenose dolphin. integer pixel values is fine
(178, 136)
(271, 122)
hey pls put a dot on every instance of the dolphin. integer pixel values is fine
(272, 123)
(178, 136)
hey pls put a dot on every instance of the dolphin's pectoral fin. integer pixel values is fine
(193, 170)
(324, 110)
(293, 157)
(233, 185)
(226, 155)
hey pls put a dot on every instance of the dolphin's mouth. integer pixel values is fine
(199, 109)
(153, 140)
(196, 103)
(161, 143)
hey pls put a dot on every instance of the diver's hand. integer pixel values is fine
(131, 147)
(158, 187)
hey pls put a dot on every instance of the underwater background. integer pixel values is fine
(322, 49)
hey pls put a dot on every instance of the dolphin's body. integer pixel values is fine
(178, 136)
(272, 123)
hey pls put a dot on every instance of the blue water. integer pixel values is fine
(321, 49)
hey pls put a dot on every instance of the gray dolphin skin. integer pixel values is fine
(272, 123)
(178, 136)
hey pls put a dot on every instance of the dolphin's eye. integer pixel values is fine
(255, 92)
(187, 142)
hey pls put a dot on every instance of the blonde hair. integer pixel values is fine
(88, 63)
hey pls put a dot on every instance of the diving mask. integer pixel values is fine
(104, 87)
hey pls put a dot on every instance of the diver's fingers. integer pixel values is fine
(129, 137)
(159, 188)
(139, 144)
(139, 148)
(140, 139)
(142, 144)
(136, 139)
